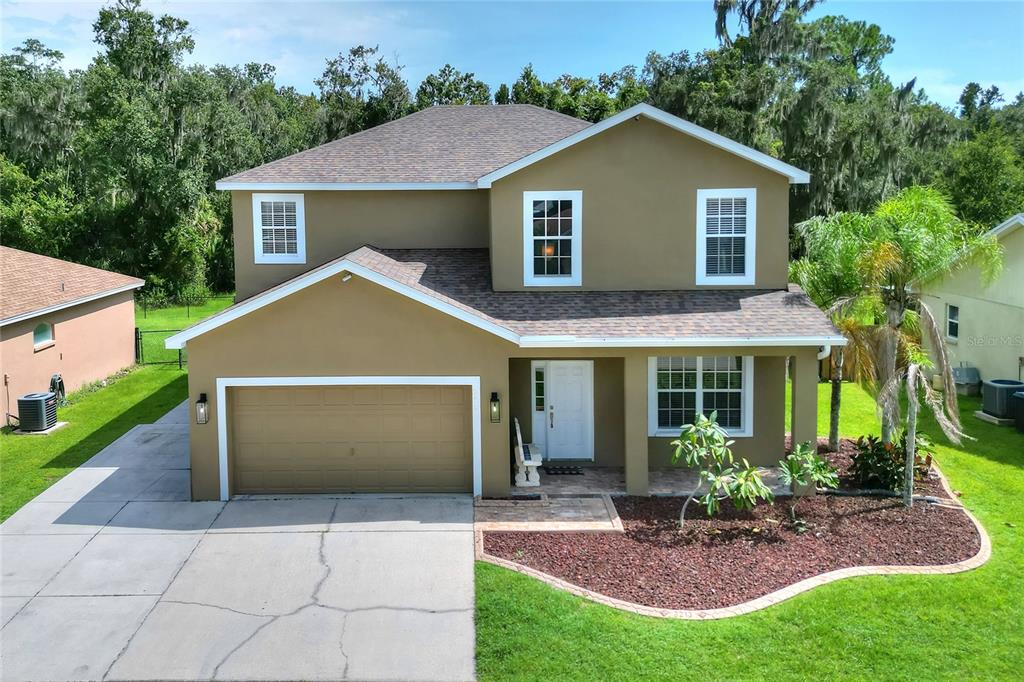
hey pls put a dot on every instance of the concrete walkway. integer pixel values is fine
(112, 574)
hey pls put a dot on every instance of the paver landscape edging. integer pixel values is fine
(770, 599)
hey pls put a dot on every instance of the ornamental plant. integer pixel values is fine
(883, 465)
(704, 445)
(804, 466)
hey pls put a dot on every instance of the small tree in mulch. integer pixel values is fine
(704, 445)
(804, 466)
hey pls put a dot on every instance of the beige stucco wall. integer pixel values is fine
(90, 341)
(339, 221)
(991, 334)
(357, 328)
(639, 183)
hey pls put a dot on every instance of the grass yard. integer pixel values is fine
(96, 417)
(965, 626)
(159, 323)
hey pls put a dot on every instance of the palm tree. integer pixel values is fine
(865, 269)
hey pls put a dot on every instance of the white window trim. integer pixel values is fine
(750, 194)
(949, 337)
(747, 393)
(576, 278)
(224, 383)
(300, 230)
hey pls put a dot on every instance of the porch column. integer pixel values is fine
(803, 371)
(635, 388)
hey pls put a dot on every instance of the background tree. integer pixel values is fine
(451, 86)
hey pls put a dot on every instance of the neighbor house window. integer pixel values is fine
(552, 238)
(726, 230)
(682, 387)
(42, 334)
(279, 228)
(952, 322)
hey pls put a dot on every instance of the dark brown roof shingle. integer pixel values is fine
(30, 282)
(439, 144)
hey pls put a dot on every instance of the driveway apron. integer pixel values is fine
(112, 574)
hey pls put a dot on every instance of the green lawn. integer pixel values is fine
(159, 323)
(96, 417)
(964, 626)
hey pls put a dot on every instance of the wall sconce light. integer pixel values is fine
(202, 410)
(495, 408)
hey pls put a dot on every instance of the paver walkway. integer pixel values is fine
(112, 573)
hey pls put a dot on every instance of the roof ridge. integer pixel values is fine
(65, 261)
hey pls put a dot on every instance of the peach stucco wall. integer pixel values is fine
(90, 341)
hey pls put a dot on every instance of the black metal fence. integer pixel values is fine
(150, 350)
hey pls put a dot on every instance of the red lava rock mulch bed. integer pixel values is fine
(738, 556)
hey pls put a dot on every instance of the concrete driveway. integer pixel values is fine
(112, 574)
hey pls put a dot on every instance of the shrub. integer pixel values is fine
(804, 466)
(703, 445)
(881, 465)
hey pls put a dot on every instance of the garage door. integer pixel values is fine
(351, 439)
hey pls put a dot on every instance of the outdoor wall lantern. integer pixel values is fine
(202, 410)
(495, 408)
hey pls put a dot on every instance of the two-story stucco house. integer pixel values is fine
(405, 292)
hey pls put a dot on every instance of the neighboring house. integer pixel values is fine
(405, 292)
(61, 318)
(984, 325)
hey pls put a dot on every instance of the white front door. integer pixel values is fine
(569, 412)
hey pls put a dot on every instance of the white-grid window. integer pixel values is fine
(952, 322)
(682, 387)
(726, 231)
(552, 238)
(279, 228)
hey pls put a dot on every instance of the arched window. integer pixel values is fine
(42, 334)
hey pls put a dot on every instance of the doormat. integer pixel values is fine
(562, 470)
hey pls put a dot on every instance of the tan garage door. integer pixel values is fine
(310, 439)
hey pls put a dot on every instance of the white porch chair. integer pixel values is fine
(528, 458)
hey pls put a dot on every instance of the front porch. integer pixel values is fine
(604, 480)
(614, 417)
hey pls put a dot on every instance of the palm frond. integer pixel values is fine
(942, 363)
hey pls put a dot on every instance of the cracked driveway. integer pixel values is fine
(112, 574)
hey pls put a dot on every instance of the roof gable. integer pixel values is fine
(795, 175)
(1009, 225)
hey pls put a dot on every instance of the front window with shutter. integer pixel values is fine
(725, 236)
(279, 228)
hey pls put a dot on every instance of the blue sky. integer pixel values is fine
(943, 44)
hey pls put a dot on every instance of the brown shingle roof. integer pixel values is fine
(439, 144)
(462, 277)
(30, 282)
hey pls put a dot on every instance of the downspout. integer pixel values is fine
(824, 351)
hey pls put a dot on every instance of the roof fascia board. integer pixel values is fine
(795, 175)
(69, 304)
(1006, 227)
(343, 186)
(677, 342)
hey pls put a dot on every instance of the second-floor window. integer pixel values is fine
(726, 229)
(552, 238)
(279, 228)
(952, 322)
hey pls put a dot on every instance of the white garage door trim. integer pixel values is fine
(223, 383)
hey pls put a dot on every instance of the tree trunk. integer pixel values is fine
(908, 471)
(837, 397)
(887, 370)
(693, 494)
